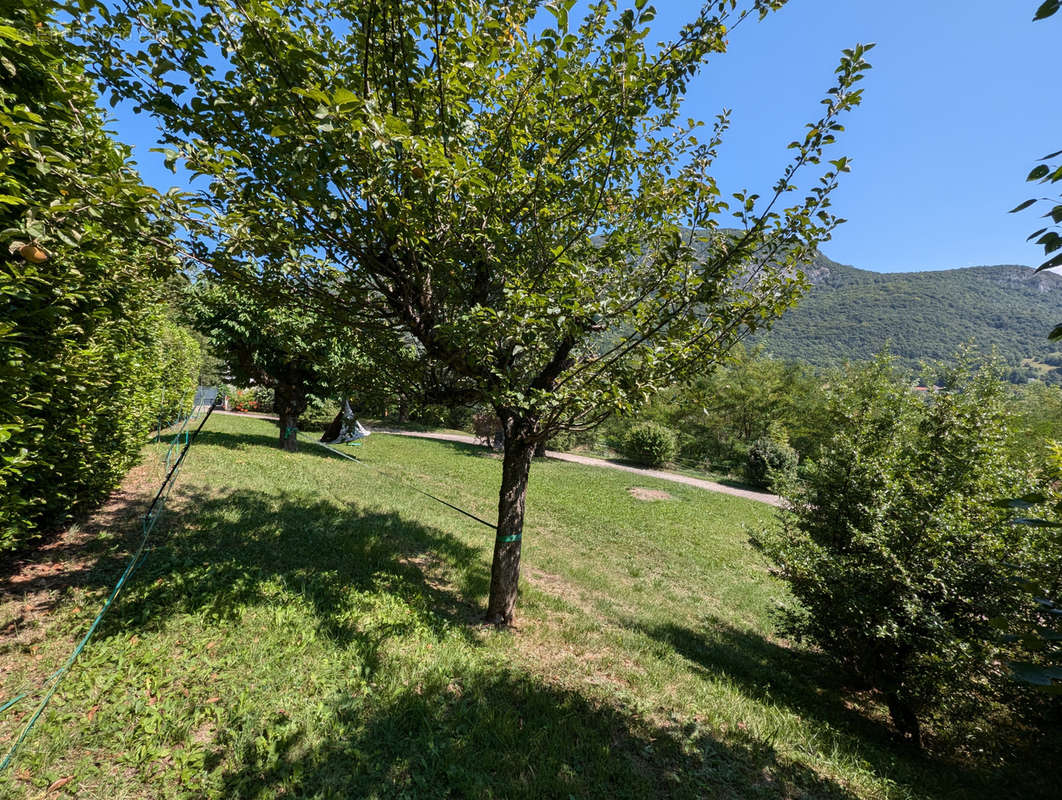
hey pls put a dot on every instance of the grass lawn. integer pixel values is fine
(307, 627)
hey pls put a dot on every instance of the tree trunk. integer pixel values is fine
(290, 403)
(505, 569)
(904, 718)
(403, 409)
(540, 449)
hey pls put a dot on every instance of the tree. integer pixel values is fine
(90, 356)
(517, 195)
(892, 540)
(286, 348)
(1041, 635)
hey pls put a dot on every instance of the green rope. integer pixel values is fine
(151, 518)
(507, 539)
(414, 488)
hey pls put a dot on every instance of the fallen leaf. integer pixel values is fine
(213, 699)
(59, 784)
(92, 713)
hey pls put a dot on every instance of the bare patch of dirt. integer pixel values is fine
(649, 495)
(35, 581)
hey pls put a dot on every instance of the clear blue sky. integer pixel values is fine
(961, 102)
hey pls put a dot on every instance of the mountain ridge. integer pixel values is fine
(851, 314)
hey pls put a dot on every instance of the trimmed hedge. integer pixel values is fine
(90, 360)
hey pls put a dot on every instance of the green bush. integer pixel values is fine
(264, 399)
(768, 459)
(650, 444)
(228, 392)
(892, 541)
(318, 415)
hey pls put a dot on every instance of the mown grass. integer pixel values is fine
(308, 627)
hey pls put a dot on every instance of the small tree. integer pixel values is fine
(520, 196)
(892, 540)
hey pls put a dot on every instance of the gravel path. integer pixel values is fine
(711, 486)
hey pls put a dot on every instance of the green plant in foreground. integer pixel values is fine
(892, 540)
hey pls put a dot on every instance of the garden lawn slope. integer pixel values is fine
(306, 627)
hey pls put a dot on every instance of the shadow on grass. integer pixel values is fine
(500, 735)
(805, 681)
(244, 441)
(476, 732)
(233, 547)
(810, 685)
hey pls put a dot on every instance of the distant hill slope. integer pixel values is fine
(852, 313)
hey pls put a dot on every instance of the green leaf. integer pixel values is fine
(344, 97)
(1038, 172)
(7, 32)
(1051, 263)
(11, 200)
(1023, 206)
(561, 14)
(1049, 8)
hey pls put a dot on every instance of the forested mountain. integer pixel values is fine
(852, 314)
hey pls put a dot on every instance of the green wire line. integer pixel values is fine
(406, 485)
(25, 692)
(28, 689)
(150, 520)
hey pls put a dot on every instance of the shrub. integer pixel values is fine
(244, 400)
(228, 392)
(318, 415)
(769, 459)
(892, 540)
(264, 399)
(650, 444)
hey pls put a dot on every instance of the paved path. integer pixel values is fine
(711, 486)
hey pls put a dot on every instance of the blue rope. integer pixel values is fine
(151, 518)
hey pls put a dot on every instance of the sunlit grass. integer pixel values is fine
(308, 627)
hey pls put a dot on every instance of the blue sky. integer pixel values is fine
(959, 105)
